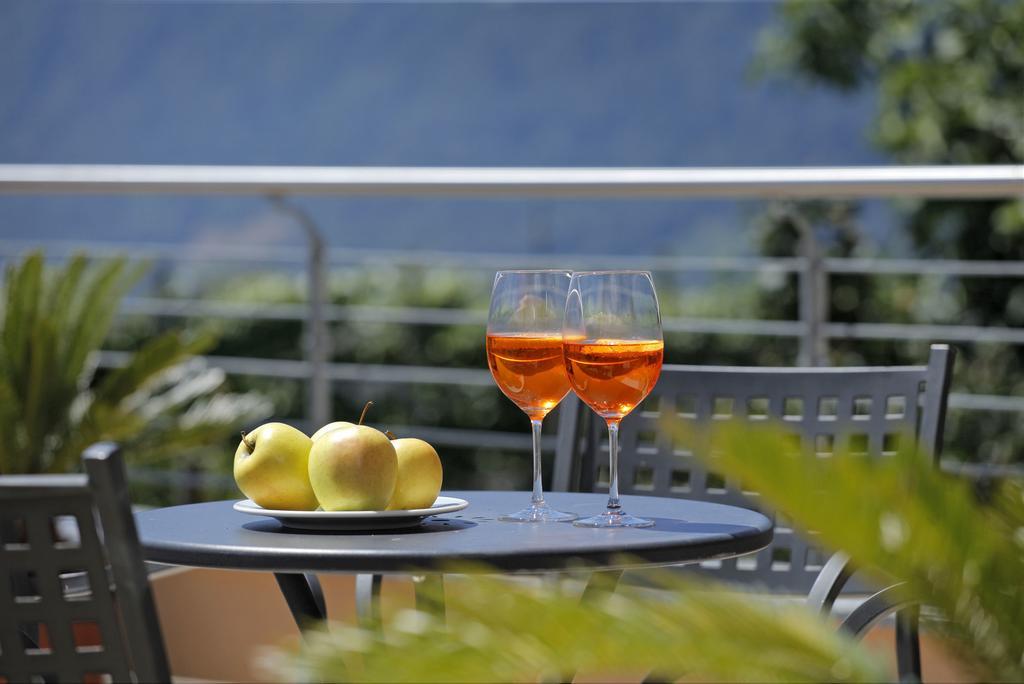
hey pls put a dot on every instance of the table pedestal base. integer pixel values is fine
(304, 596)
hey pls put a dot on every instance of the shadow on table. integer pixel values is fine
(431, 526)
(687, 527)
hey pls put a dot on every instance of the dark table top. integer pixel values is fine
(214, 535)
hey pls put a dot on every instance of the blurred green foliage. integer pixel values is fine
(949, 78)
(376, 287)
(160, 402)
(372, 288)
(497, 630)
(956, 550)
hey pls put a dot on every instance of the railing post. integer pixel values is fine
(813, 296)
(319, 387)
(317, 350)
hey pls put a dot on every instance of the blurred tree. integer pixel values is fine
(949, 77)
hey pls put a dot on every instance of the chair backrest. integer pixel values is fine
(861, 409)
(75, 604)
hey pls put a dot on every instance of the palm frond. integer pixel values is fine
(187, 417)
(10, 454)
(155, 357)
(900, 518)
(108, 411)
(65, 288)
(51, 406)
(1008, 499)
(504, 631)
(93, 307)
(23, 284)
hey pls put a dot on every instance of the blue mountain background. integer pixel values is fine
(574, 84)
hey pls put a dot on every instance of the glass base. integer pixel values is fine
(538, 513)
(614, 518)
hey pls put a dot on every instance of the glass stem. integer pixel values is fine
(538, 487)
(613, 465)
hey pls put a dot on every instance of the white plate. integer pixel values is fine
(353, 520)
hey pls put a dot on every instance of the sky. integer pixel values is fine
(576, 84)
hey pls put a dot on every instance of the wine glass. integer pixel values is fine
(613, 353)
(524, 353)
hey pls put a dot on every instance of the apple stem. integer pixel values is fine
(363, 414)
(249, 444)
(390, 435)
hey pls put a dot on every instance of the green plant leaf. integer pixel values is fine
(900, 519)
(501, 630)
(24, 285)
(51, 405)
(94, 309)
(153, 358)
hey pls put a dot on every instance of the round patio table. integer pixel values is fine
(214, 535)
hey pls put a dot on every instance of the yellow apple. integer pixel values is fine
(419, 475)
(353, 469)
(330, 427)
(272, 467)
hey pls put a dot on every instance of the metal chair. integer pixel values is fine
(75, 604)
(862, 409)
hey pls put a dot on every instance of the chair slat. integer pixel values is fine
(828, 410)
(59, 617)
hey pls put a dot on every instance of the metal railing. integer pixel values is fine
(277, 184)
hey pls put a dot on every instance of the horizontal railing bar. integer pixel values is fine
(442, 316)
(466, 261)
(157, 251)
(986, 402)
(495, 261)
(379, 373)
(458, 437)
(980, 181)
(153, 306)
(980, 471)
(923, 331)
(734, 326)
(437, 436)
(179, 478)
(360, 372)
(419, 316)
(195, 479)
(950, 267)
(448, 436)
(454, 437)
(488, 261)
(469, 438)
